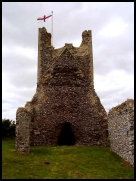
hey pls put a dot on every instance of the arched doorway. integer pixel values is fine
(66, 136)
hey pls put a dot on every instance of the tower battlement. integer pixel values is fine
(48, 56)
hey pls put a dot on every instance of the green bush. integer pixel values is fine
(8, 128)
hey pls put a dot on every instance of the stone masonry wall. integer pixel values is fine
(121, 130)
(65, 95)
(23, 119)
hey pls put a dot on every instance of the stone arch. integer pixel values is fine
(66, 136)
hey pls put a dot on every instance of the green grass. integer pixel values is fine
(64, 162)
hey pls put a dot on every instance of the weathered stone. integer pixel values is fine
(121, 130)
(65, 99)
(23, 119)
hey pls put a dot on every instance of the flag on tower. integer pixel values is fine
(44, 17)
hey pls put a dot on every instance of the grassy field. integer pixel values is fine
(63, 162)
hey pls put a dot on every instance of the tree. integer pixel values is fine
(8, 128)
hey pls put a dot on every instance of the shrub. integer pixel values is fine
(8, 128)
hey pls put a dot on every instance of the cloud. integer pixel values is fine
(114, 28)
(112, 25)
(114, 88)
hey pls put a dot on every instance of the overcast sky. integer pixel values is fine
(112, 25)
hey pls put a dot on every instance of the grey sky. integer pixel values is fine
(112, 25)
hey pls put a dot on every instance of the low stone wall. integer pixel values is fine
(121, 130)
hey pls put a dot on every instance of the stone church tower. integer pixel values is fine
(65, 109)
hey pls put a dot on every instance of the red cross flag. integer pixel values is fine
(44, 17)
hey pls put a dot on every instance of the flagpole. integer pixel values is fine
(52, 28)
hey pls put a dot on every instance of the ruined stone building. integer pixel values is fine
(121, 130)
(65, 109)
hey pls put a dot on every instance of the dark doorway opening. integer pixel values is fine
(66, 136)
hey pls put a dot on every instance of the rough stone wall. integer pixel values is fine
(65, 94)
(23, 119)
(121, 130)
